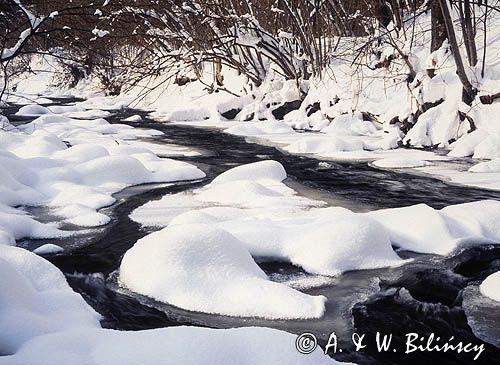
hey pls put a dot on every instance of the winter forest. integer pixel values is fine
(249, 182)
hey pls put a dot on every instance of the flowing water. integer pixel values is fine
(425, 296)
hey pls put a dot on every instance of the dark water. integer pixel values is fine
(424, 296)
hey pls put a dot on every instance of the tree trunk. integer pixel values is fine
(469, 93)
(438, 32)
(219, 78)
(469, 34)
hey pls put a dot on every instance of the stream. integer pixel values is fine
(425, 296)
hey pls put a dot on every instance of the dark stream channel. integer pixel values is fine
(424, 296)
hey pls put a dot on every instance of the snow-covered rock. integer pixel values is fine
(48, 249)
(33, 110)
(133, 118)
(263, 170)
(202, 268)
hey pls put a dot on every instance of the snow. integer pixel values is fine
(264, 170)
(349, 125)
(490, 287)
(201, 268)
(36, 300)
(48, 249)
(44, 322)
(180, 345)
(37, 168)
(273, 222)
(487, 167)
(441, 231)
(33, 110)
(100, 33)
(247, 212)
(324, 146)
(484, 180)
(262, 128)
(488, 148)
(133, 118)
(400, 162)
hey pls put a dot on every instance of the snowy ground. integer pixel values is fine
(72, 160)
(71, 154)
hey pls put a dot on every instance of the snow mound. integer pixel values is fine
(488, 148)
(478, 144)
(48, 249)
(347, 243)
(202, 268)
(114, 169)
(190, 114)
(263, 170)
(490, 287)
(324, 242)
(33, 110)
(349, 125)
(486, 167)
(133, 118)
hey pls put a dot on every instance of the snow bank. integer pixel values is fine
(490, 287)
(324, 146)
(169, 346)
(202, 268)
(257, 185)
(38, 168)
(44, 322)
